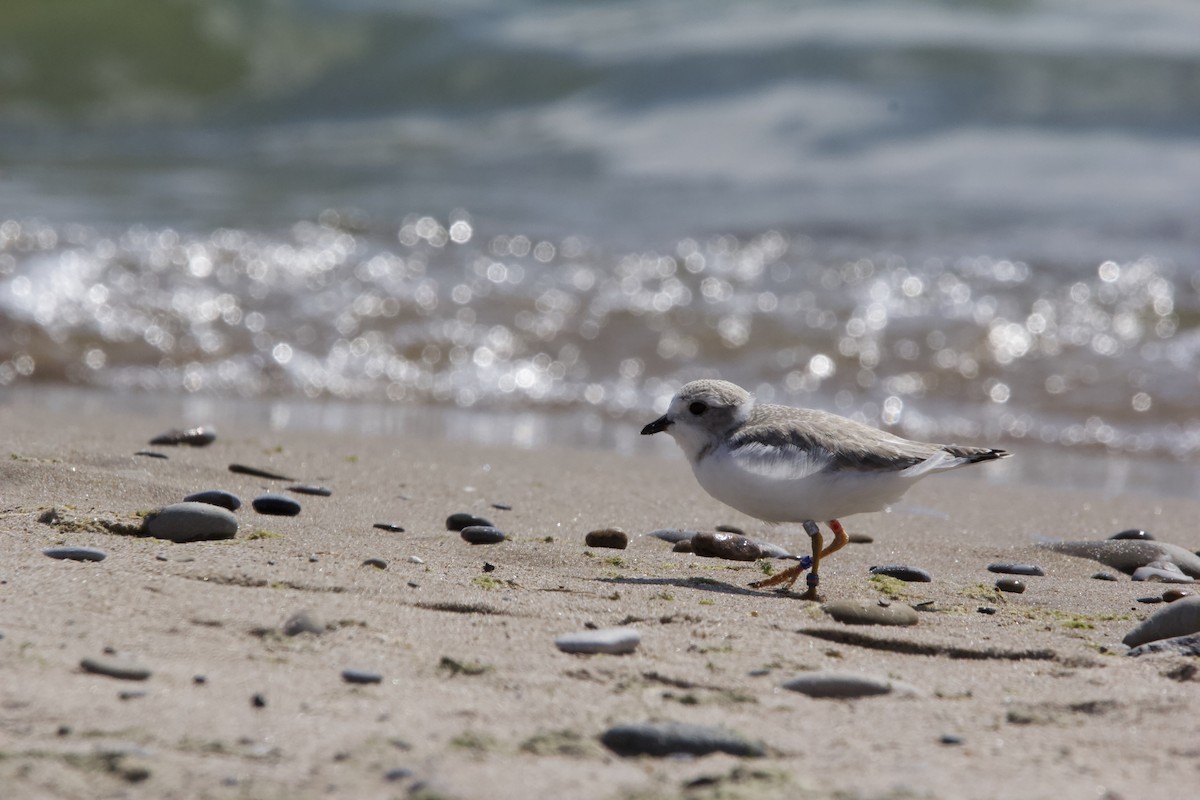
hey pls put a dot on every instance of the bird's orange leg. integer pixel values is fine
(786, 578)
(840, 538)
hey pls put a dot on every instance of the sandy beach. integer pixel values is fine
(1033, 700)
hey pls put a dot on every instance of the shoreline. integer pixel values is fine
(475, 699)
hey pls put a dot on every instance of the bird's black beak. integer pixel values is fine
(658, 426)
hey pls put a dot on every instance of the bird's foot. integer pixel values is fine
(784, 579)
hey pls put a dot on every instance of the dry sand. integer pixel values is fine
(476, 701)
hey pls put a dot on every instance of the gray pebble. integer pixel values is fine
(613, 538)
(1163, 572)
(397, 774)
(902, 572)
(1181, 618)
(614, 641)
(482, 534)
(115, 668)
(193, 437)
(1133, 533)
(276, 505)
(1015, 569)
(377, 563)
(361, 676)
(258, 700)
(1152, 600)
(1180, 645)
(950, 738)
(76, 553)
(661, 739)
(460, 520)
(151, 454)
(862, 612)
(216, 497)
(1010, 585)
(673, 535)
(316, 491)
(191, 522)
(1127, 555)
(502, 506)
(389, 527)
(303, 621)
(1104, 576)
(242, 469)
(860, 538)
(844, 685)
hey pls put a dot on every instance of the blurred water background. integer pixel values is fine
(530, 221)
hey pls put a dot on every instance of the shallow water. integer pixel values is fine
(971, 223)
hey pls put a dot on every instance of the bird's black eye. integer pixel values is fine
(698, 408)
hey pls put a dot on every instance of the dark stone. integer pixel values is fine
(487, 567)
(259, 700)
(216, 497)
(682, 546)
(361, 676)
(151, 454)
(1171, 595)
(377, 563)
(242, 469)
(193, 437)
(276, 505)
(673, 738)
(502, 506)
(482, 534)
(860, 538)
(460, 520)
(1010, 585)
(730, 529)
(1133, 533)
(903, 573)
(115, 668)
(733, 547)
(613, 538)
(1180, 645)
(191, 522)
(986, 610)
(397, 774)
(845, 685)
(303, 621)
(1016, 569)
(76, 553)
(389, 527)
(317, 491)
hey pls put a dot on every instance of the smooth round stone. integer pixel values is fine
(845, 685)
(614, 641)
(863, 612)
(613, 538)
(115, 668)
(1171, 595)
(191, 522)
(1010, 585)
(303, 621)
(216, 497)
(730, 546)
(902, 572)
(76, 553)
(1129, 554)
(1133, 533)
(1007, 568)
(1179, 645)
(482, 534)
(193, 437)
(361, 676)
(460, 520)
(1163, 572)
(1181, 618)
(682, 546)
(1103, 576)
(673, 535)
(377, 563)
(316, 491)
(277, 505)
(675, 738)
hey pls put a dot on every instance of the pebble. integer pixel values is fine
(303, 621)
(258, 700)
(1016, 569)
(730, 546)
(361, 676)
(115, 668)
(989, 610)
(1010, 585)
(216, 497)
(846, 685)
(1127, 555)
(863, 612)
(76, 553)
(1163, 572)
(682, 546)
(661, 739)
(613, 538)
(673, 535)
(242, 469)
(389, 527)
(1133, 533)
(1181, 645)
(730, 529)
(151, 454)
(1103, 576)
(460, 520)
(1171, 595)
(416, 560)
(614, 641)
(950, 738)
(1181, 618)
(502, 506)
(860, 538)
(317, 491)
(191, 522)
(397, 774)
(276, 505)
(903, 573)
(193, 437)
(377, 563)
(482, 534)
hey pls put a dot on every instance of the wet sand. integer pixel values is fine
(1034, 700)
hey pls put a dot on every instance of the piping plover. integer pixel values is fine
(784, 464)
